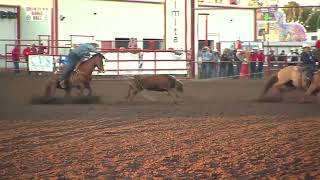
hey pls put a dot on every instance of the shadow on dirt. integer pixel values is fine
(65, 100)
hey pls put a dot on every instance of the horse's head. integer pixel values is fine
(99, 61)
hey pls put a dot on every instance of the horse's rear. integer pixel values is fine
(166, 83)
(289, 76)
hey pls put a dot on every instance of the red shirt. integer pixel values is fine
(15, 54)
(253, 57)
(318, 44)
(41, 49)
(261, 57)
(26, 52)
(33, 50)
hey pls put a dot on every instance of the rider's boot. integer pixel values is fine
(63, 84)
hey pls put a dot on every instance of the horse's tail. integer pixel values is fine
(269, 84)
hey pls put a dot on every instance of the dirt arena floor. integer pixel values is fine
(219, 132)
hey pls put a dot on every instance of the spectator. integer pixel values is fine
(41, 49)
(271, 58)
(261, 58)
(237, 62)
(33, 50)
(243, 57)
(253, 63)
(308, 60)
(16, 58)
(282, 60)
(215, 60)
(133, 43)
(292, 58)
(206, 66)
(26, 52)
(226, 63)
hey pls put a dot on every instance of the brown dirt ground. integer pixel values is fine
(220, 132)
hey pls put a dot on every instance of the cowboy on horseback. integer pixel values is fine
(308, 61)
(75, 56)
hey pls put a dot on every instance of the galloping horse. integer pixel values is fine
(160, 82)
(80, 79)
(290, 76)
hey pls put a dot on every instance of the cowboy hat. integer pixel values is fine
(305, 45)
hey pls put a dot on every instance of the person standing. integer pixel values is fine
(282, 59)
(237, 63)
(260, 58)
(41, 49)
(15, 53)
(253, 63)
(292, 58)
(308, 60)
(26, 52)
(206, 65)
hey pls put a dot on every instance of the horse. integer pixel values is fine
(162, 82)
(80, 78)
(290, 76)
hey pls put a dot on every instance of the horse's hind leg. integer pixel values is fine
(81, 88)
(277, 89)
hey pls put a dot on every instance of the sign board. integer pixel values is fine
(175, 24)
(40, 63)
(37, 14)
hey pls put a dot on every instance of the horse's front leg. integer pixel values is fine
(87, 86)
(173, 95)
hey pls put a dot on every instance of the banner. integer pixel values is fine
(40, 63)
(175, 24)
(37, 14)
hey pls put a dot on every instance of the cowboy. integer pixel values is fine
(75, 55)
(308, 60)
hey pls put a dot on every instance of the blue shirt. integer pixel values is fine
(307, 58)
(84, 50)
(206, 56)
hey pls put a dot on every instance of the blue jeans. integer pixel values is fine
(73, 60)
(16, 66)
(260, 69)
(207, 69)
(253, 69)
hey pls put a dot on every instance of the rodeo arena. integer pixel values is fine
(158, 89)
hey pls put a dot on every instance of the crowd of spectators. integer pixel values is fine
(256, 64)
(17, 56)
